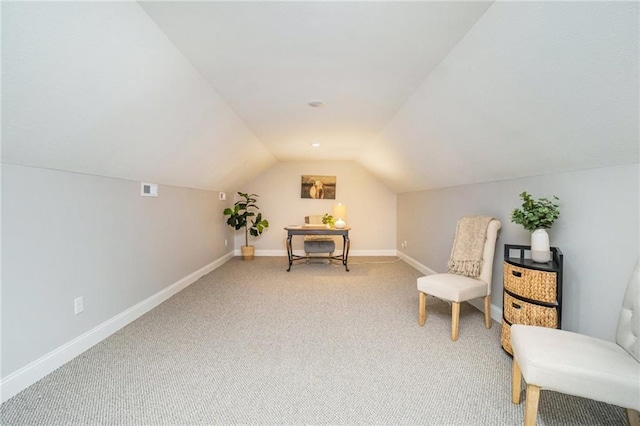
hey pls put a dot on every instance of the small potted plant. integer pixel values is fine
(536, 216)
(328, 220)
(239, 216)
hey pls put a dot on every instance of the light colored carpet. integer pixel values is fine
(253, 344)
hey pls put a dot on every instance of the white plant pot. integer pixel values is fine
(540, 250)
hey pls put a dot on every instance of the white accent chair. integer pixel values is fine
(580, 365)
(458, 288)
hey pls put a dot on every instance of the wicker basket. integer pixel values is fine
(505, 337)
(520, 312)
(529, 283)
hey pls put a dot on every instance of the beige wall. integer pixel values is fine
(598, 232)
(371, 206)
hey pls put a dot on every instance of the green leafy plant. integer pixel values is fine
(328, 219)
(536, 214)
(242, 211)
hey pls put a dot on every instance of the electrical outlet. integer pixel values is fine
(225, 242)
(78, 305)
(404, 244)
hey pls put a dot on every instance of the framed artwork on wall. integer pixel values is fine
(318, 187)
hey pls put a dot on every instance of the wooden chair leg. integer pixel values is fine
(487, 311)
(633, 417)
(455, 318)
(422, 314)
(516, 382)
(531, 405)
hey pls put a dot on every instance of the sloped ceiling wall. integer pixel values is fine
(533, 88)
(96, 88)
(268, 59)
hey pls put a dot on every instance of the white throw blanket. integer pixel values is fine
(468, 246)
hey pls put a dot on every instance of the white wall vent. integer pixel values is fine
(149, 189)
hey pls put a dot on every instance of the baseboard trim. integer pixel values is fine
(31, 373)
(373, 253)
(496, 312)
(283, 253)
(419, 266)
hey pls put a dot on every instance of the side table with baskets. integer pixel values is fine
(532, 291)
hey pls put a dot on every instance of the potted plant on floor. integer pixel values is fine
(536, 216)
(243, 210)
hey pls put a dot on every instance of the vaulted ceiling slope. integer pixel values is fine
(269, 59)
(534, 88)
(423, 94)
(96, 88)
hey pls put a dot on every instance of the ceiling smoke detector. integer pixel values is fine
(316, 104)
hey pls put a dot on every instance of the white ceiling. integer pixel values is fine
(268, 59)
(422, 94)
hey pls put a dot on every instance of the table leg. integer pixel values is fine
(289, 252)
(346, 243)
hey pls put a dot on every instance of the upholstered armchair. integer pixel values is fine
(580, 365)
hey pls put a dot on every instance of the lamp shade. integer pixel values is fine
(340, 213)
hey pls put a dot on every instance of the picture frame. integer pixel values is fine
(318, 187)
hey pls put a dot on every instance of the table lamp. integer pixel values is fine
(340, 214)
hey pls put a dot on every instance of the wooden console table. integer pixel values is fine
(301, 230)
